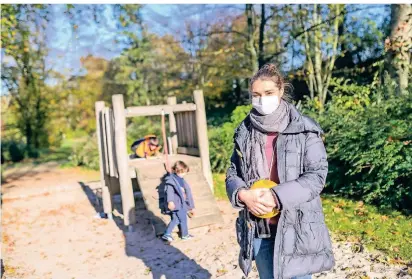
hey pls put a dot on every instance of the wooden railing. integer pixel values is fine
(187, 133)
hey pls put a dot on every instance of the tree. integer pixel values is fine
(24, 70)
(320, 42)
(399, 44)
(251, 45)
(151, 68)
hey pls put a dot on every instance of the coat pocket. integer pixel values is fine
(310, 232)
(289, 240)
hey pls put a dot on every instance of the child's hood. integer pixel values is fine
(172, 180)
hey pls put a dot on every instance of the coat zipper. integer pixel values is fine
(280, 222)
(273, 157)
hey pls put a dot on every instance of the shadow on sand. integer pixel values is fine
(162, 260)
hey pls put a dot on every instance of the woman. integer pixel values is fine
(275, 141)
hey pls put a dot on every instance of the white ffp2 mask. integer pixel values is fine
(265, 105)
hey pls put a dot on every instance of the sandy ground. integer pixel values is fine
(49, 230)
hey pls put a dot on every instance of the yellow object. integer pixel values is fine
(143, 149)
(265, 184)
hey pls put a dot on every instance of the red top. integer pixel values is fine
(271, 156)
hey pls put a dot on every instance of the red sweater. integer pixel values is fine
(271, 156)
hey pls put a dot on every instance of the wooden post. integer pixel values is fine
(203, 141)
(122, 158)
(172, 125)
(106, 196)
(110, 142)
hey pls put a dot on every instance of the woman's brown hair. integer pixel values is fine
(271, 72)
(180, 167)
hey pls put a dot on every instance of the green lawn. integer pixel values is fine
(389, 232)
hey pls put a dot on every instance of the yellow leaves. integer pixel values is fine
(360, 204)
(218, 52)
(10, 270)
(6, 238)
(384, 218)
(221, 272)
(147, 271)
(337, 209)
(360, 212)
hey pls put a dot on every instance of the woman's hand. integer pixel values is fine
(257, 201)
(269, 198)
(171, 205)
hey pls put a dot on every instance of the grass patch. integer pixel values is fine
(389, 232)
(220, 186)
(60, 155)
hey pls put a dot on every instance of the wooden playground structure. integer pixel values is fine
(188, 142)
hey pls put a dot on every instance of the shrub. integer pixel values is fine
(86, 154)
(368, 138)
(221, 140)
(13, 151)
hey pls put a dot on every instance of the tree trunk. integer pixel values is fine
(346, 61)
(262, 35)
(29, 134)
(250, 38)
(331, 62)
(317, 37)
(399, 44)
(310, 72)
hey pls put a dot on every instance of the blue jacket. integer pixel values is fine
(175, 194)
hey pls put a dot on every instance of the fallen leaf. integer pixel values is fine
(147, 271)
(221, 272)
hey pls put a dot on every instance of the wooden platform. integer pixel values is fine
(150, 173)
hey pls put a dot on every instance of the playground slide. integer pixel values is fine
(150, 174)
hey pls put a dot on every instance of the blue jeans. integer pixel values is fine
(263, 250)
(178, 218)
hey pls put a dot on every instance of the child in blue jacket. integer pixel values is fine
(179, 201)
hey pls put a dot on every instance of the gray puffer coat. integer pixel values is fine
(302, 244)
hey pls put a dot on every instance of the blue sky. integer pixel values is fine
(68, 46)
